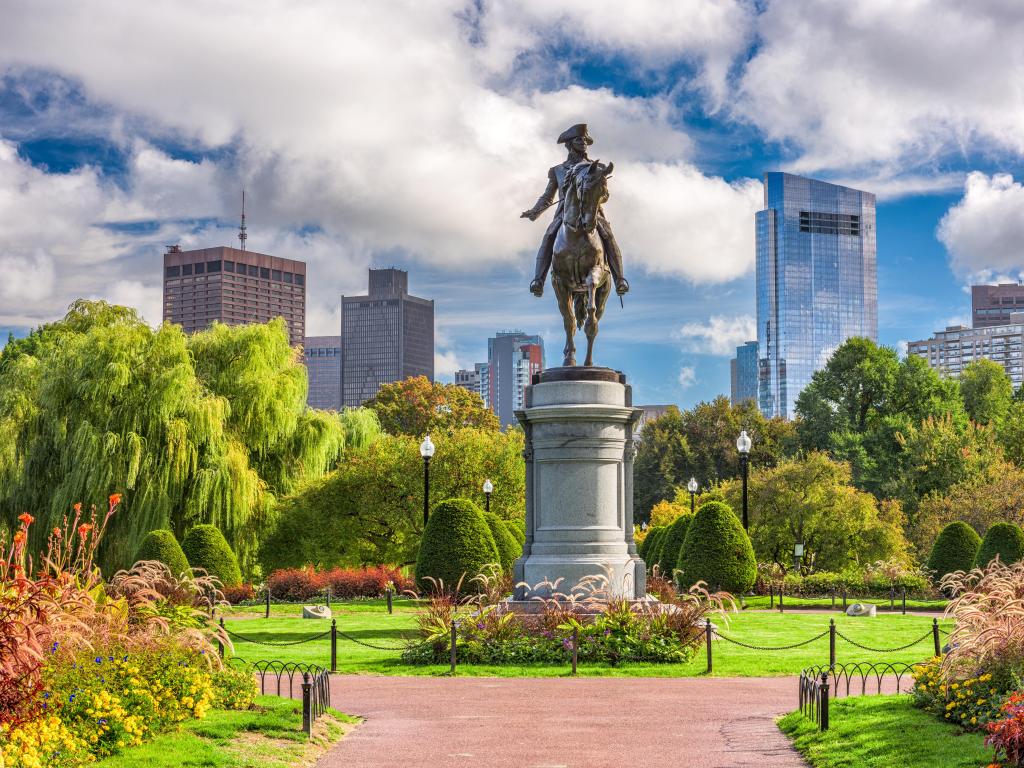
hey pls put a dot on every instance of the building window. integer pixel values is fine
(276, 274)
(229, 266)
(186, 269)
(213, 266)
(200, 268)
(172, 271)
(264, 273)
(288, 277)
(253, 271)
(300, 279)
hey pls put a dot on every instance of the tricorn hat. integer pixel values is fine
(578, 131)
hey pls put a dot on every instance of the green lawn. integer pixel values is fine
(762, 602)
(761, 628)
(883, 731)
(267, 737)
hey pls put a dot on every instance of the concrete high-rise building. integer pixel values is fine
(993, 304)
(513, 358)
(952, 350)
(386, 335)
(743, 373)
(322, 355)
(234, 287)
(472, 380)
(816, 281)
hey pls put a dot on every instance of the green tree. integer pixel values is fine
(205, 547)
(717, 551)
(508, 548)
(955, 549)
(370, 510)
(456, 546)
(163, 547)
(416, 406)
(202, 429)
(811, 501)
(662, 458)
(987, 391)
(1005, 540)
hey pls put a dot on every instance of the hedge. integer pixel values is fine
(717, 551)
(956, 549)
(304, 584)
(1003, 539)
(455, 547)
(653, 549)
(205, 547)
(672, 545)
(508, 548)
(161, 545)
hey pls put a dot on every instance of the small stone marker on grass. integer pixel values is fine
(861, 609)
(316, 612)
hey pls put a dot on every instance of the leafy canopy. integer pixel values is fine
(416, 406)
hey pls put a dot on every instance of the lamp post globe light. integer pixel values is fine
(743, 443)
(488, 490)
(427, 449)
(692, 488)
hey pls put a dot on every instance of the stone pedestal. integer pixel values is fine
(579, 483)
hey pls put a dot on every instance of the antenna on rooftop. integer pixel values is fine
(242, 236)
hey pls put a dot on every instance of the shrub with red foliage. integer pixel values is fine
(239, 594)
(305, 583)
(1007, 735)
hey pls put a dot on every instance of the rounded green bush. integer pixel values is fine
(161, 545)
(653, 542)
(955, 549)
(672, 545)
(643, 547)
(517, 528)
(1003, 539)
(456, 546)
(508, 548)
(206, 547)
(717, 551)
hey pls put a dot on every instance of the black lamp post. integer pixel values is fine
(743, 443)
(692, 488)
(426, 451)
(488, 490)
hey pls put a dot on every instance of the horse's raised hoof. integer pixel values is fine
(537, 288)
(622, 287)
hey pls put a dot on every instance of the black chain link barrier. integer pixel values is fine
(769, 647)
(926, 636)
(246, 639)
(408, 643)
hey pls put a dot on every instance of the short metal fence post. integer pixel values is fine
(833, 598)
(904, 601)
(389, 598)
(220, 641)
(771, 596)
(892, 598)
(327, 592)
(453, 645)
(334, 645)
(575, 647)
(832, 643)
(307, 705)
(781, 607)
(707, 634)
(824, 701)
(267, 614)
(935, 637)
(844, 598)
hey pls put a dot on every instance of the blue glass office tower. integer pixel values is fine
(743, 373)
(817, 281)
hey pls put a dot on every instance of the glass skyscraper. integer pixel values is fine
(816, 281)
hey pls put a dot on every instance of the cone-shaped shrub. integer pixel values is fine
(672, 545)
(508, 548)
(517, 528)
(654, 539)
(456, 545)
(955, 549)
(161, 545)
(1003, 539)
(644, 546)
(717, 551)
(206, 547)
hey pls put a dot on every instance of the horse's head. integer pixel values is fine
(591, 180)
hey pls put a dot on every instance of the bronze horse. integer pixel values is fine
(579, 270)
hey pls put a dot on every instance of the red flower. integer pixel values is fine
(77, 507)
(19, 537)
(84, 528)
(56, 532)
(26, 518)
(115, 499)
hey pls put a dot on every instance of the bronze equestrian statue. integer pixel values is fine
(578, 244)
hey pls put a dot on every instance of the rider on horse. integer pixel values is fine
(576, 140)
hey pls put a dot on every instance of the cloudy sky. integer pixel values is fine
(413, 133)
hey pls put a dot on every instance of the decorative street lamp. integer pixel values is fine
(426, 451)
(692, 488)
(798, 553)
(488, 490)
(743, 443)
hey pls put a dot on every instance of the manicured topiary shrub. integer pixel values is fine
(162, 546)
(517, 528)
(717, 551)
(645, 544)
(956, 549)
(206, 547)
(456, 545)
(653, 544)
(672, 545)
(1003, 539)
(508, 548)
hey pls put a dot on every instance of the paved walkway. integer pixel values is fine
(421, 722)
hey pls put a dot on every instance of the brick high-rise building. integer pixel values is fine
(234, 287)
(323, 367)
(992, 305)
(386, 335)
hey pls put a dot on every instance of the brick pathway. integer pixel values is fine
(436, 722)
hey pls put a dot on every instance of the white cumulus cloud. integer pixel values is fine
(984, 231)
(687, 376)
(718, 336)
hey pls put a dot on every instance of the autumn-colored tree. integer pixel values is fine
(416, 406)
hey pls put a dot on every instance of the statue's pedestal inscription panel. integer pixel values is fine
(579, 482)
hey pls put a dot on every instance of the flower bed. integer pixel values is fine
(302, 584)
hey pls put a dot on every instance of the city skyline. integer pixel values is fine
(103, 163)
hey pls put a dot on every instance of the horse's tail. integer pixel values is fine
(579, 305)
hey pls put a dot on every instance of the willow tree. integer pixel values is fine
(207, 429)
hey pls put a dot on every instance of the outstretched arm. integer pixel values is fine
(545, 201)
